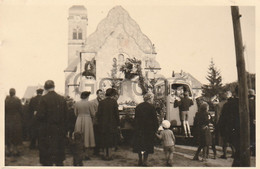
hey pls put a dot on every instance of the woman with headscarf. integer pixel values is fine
(201, 125)
(84, 123)
(146, 125)
(108, 121)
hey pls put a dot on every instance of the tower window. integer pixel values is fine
(74, 36)
(80, 34)
(121, 58)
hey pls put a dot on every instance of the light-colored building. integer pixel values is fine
(90, 58)
(195, 84)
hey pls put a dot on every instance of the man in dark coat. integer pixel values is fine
(13, 123)
(108, 121)
(25, 119)
(146, 125)
(229, 125)
(33, 108)
(222, 141)
(52, 118)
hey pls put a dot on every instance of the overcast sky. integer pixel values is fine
(33, 38)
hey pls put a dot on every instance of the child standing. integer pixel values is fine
(168, 140)
(213, 136)
(77, 147)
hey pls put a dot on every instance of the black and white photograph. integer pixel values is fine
(122, 83)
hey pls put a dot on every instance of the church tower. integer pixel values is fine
(78, 22)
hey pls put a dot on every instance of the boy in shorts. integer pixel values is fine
(184, 104)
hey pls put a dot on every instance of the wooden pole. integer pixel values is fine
(249, 80)
(243, 91)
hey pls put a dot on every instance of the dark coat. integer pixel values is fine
(25, 120)
(33, 107)
(52, 118)
(251, 101)
(108, 121)
(13, 120)
(145, 126)
(201, 126)
(218, 111)
(251, 105)
(184, 104)
(229, 123)
(71, 120)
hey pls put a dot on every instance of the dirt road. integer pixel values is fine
(125, 157)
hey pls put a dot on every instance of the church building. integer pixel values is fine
(91, 58)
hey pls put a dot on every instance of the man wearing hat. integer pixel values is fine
(33, 108)
(52, 118)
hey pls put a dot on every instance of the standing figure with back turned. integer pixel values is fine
(52, 119)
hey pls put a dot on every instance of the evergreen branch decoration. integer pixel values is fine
(115, 82)
(131, 69)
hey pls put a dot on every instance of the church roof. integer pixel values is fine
(105, 28)
(77, 8)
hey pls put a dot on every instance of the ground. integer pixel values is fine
(125, 157)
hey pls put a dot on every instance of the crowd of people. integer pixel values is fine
(224, 128)
(53, 119)
(95, 125)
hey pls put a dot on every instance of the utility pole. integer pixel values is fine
(243, 91)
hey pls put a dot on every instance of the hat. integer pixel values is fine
(49, 84)
(12, 92)
(148, 96)
(166, 124)
(111, 92)
(85, 94)
(39, 91)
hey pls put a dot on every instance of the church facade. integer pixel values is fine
(91, 58)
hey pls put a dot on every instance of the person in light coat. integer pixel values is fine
(84, 121)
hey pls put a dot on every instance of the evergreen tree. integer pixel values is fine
(215, 82)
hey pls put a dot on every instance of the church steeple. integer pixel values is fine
(77, 22)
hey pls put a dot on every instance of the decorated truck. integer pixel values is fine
(166, 92)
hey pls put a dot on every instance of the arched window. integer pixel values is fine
(79, 34)
(121, 58)
(74, 35)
